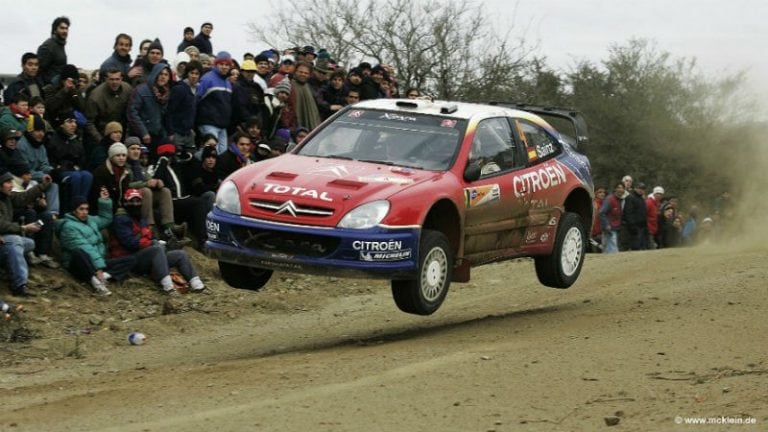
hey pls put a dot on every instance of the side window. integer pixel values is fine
(539, 144)
(493, 147)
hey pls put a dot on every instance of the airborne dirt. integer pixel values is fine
(641, 339)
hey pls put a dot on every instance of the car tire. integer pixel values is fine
(424, 295)
(243, 277)
(562, 267)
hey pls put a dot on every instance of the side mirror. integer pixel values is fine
(471, 172)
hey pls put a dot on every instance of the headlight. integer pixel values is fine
(365, 216)
(228, 198)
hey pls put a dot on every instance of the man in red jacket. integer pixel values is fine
(652, 210)
(610, 218)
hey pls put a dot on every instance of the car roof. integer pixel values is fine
(462, 110)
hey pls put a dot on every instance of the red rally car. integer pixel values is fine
(413, 191)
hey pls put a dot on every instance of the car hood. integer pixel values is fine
(318, 191)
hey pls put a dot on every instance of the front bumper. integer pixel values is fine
(371, 253)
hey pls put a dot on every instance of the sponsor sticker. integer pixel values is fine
(398, 117)
(296, 191)
(545, 177)
(383, 178)
(211, 226)
(531, 237)
(379, 246)
(545, 149)
(482, 195)
(448, 123)
(336, 171)
(385, 256)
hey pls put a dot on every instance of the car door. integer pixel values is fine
(542, 181)
(495, 215)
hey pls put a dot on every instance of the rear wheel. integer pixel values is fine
(424, 295)
(562, 267)
(243, 277)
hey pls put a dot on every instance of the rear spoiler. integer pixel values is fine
(569, 122)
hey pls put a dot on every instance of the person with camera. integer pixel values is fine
(14, 240)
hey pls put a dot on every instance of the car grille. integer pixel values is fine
(286, 243)
(289, 208)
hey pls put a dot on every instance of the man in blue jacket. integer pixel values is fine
(214, 101)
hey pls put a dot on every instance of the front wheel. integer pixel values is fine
(243, 277)
(562, 267)
(424, 295)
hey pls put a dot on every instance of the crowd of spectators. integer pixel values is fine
(634, 218)
(144, 143)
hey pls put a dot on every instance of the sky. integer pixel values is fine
(724, 37)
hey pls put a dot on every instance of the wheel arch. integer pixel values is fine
(443, 216)
(579, 201)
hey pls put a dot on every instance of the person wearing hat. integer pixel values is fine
(652, 204)
(22, 181)
(10, 156)
(275, 101)
(83, 249)
(66, 155)
(193, 52)
(203, 178)
(247, 95)
(203, 39)
(633, 217)
(263, 69)
(182, 108)
(180, 65)
(285, 70)
(52, 53)
(370, 86)
(307, 54)
(170, 170)
(14, 236)
(214, 101)
(140, 73)
(147, 108)
(189, 34)
(117, 176)
(32, 147)
(132, 236)
(63, 98)
(112, 133)
(355, 81)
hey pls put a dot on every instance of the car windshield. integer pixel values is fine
(393, 138)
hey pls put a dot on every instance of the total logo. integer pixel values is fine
(296, 191)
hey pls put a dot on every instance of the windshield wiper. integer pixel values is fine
(336, 157)
(378, 162)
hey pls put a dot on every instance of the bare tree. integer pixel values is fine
(446, 48)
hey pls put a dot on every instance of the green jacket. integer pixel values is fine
(86, 235)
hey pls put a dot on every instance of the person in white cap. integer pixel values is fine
(652, 204)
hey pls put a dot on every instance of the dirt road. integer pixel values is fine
(645, 339)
